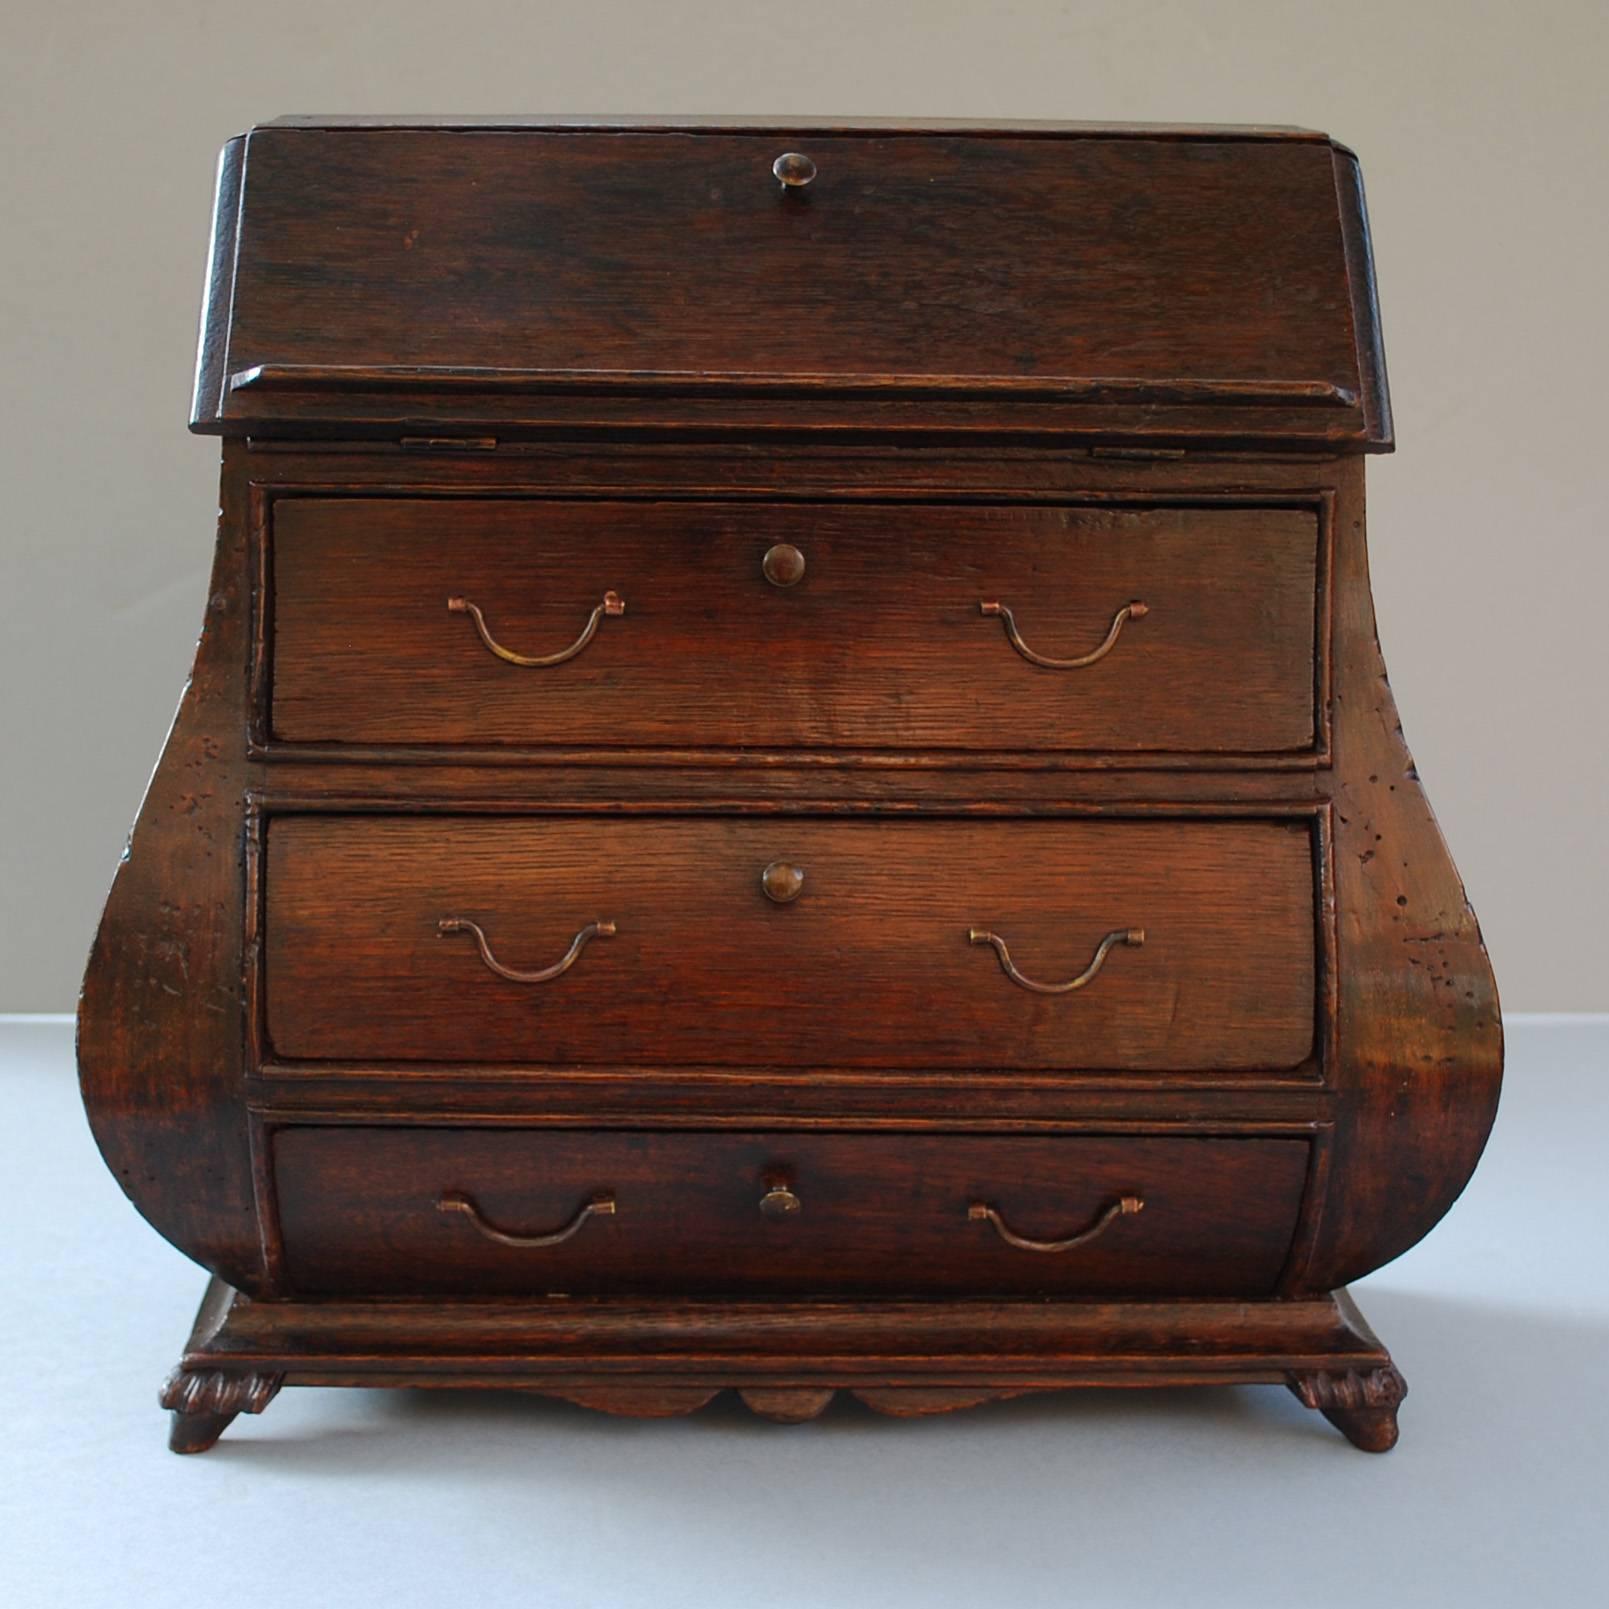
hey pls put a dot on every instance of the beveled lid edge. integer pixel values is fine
(983, 128)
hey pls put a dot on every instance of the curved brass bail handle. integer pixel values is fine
(601, 1205)
(1130, 611)
(593, 930)
(613, 604)
(1134, 936)
(981, 1211)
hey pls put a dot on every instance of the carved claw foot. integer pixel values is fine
(1362, 1406)
(204, 1403)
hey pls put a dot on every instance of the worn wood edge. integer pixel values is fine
(761, 412)
(1374, 392)
(212, 345)
(385, 377)
(1320, 1349)
(370, 1097)
(161, 1086)
(803, 760)
(628, 467)
(985, 128)
(1418, 1026)
(960, 1343)
(858, 419)
(863, 420)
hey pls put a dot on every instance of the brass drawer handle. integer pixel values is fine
(1129, 611)
(981, 1211)
(602, 1205)
(1124, 935)
(613, 604)
(593, 930)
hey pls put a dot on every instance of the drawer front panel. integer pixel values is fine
(396, 1211)
(883, 958)
(880, 643)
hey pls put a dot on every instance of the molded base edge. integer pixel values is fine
(785, 1359)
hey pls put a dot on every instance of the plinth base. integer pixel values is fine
(785, 1359)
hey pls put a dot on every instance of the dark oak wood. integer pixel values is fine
(787, 1360)
(1079, 369)
(205, 1402)
(869, 966)
(673, 123)
(878, 1215)
(880, 644)
(1361, 1404)
(947, 265)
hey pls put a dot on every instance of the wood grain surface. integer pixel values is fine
(881, 644)
(679, 253)
(869, 966)
(1058, 369)
(884, 1215)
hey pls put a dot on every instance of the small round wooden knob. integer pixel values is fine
(783, 565)
(779, 1201)
(793, 170)
(782, 881)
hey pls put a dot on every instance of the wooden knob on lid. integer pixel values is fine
(793, 170)
(779, 1201)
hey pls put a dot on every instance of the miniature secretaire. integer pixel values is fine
(788, 784)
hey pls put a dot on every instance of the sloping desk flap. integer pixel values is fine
(1179, 284)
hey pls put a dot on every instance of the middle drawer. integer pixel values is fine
(1128, 945)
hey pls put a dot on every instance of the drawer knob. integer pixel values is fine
(982, 1212)
(1129, 611)
(783, 565)
(782, 881)
(1134, 936)
(793, 170)
(779, 1201)
(593, 930)
(613, 604)
(602, 1205)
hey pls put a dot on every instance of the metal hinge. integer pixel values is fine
(1136, 452)
(449, 444)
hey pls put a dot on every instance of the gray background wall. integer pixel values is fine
(1480, 126)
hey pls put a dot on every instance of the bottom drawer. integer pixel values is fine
(433, 1211)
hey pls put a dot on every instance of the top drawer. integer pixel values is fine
(836, 627)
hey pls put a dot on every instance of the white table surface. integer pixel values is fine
(1497, 1494)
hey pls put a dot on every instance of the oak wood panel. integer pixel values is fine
(1420, 1029)
(883, 1214)
(881, 644)
(1012, 1341)
(870, 966)
(162, 1017)
(619, 255)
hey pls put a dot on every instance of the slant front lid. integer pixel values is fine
(1162, 284)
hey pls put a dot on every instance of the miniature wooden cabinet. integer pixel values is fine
(788, 784)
